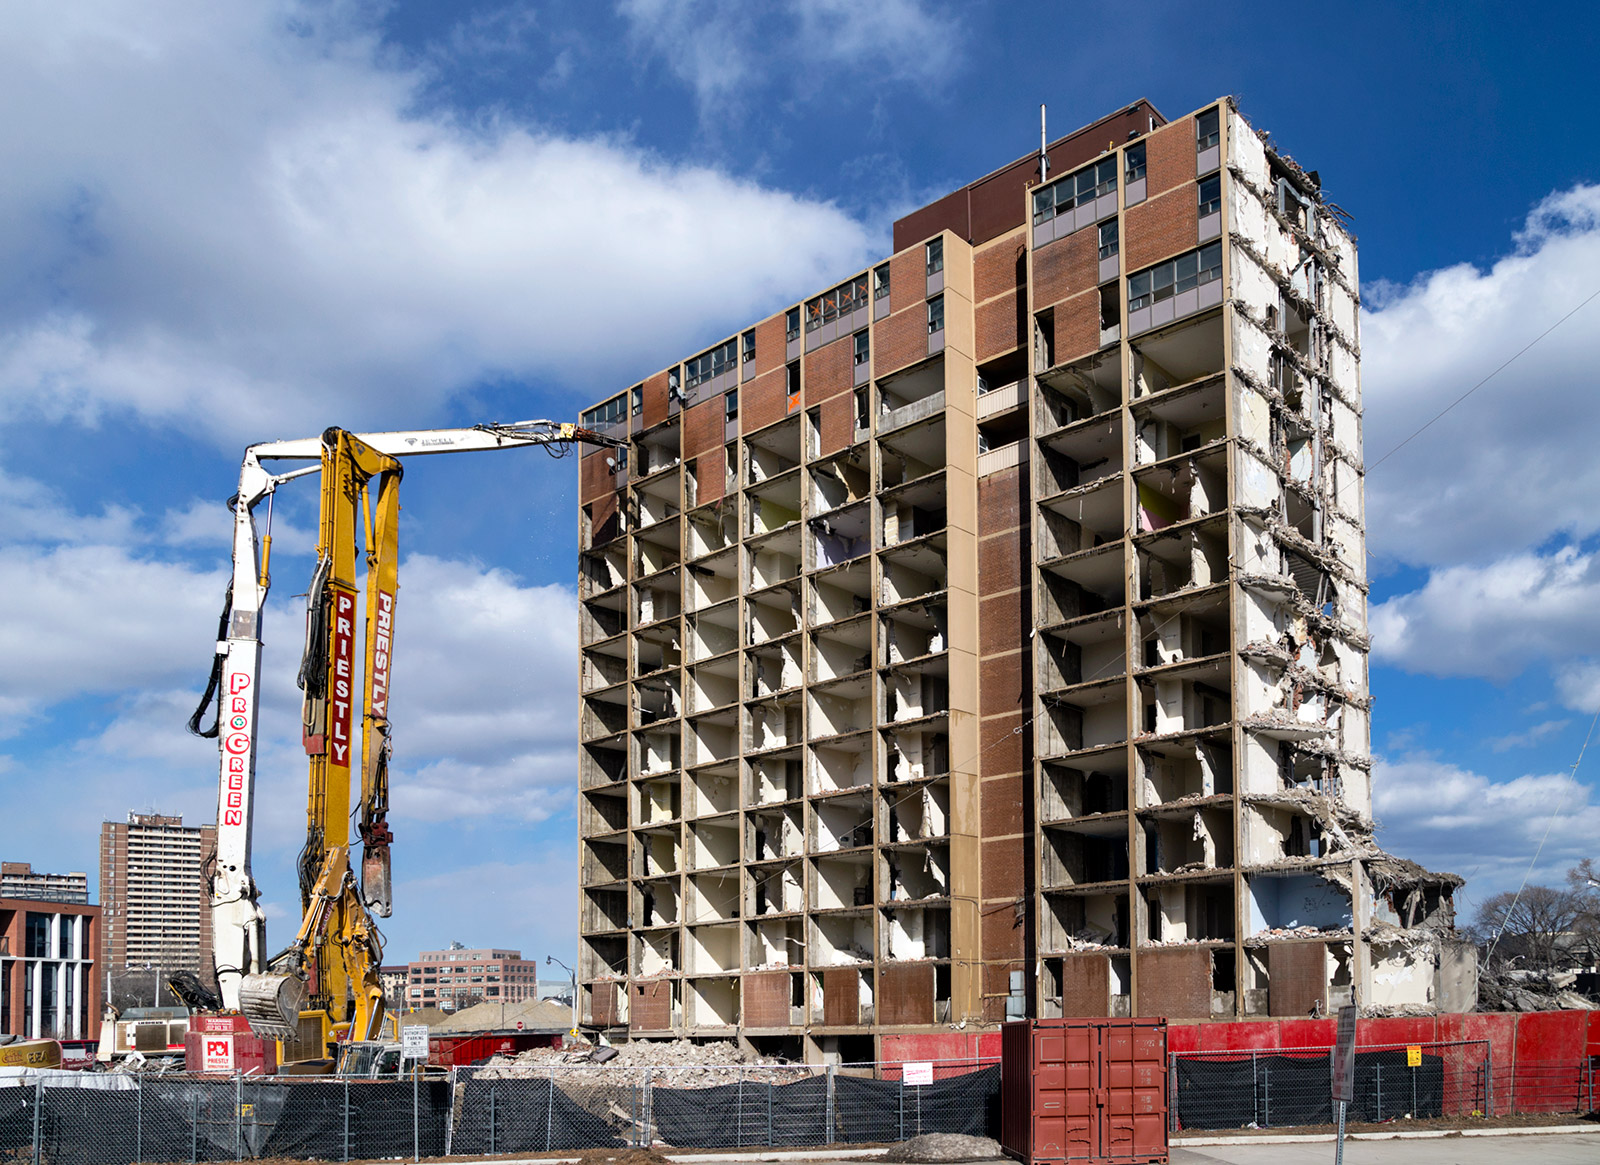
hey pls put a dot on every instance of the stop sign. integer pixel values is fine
(519, 1025)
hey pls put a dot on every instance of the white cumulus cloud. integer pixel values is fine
(228, 218)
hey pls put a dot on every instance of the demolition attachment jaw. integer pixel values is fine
(272, 1002)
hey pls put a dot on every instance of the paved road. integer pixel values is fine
(1557, 1149)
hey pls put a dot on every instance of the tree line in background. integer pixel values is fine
(1540, 946)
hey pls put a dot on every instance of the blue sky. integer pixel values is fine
(229, 223)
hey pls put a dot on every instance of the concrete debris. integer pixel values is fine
(944, 1147)
(677, 1064)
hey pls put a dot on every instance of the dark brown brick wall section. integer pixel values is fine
(999, 267)
(771, 345)
(711, 475)
(1002, 868)
(905, 994)
(603, 1006)
(841, 997)
(838, 424)
(829, 370)
(764, 999)
(651, 1009)
(1077, 327)
(1065, 267)
(908, 278)
(996, 203)
(999, 564)
(1086, 985)
(900, 340)
(1001, 800)
(1175, 983)
(1003, 681)
(1297, 975)
(1169, 157)
(762, 401)
(1000, 500)
(1002, 744)
(702, 427)
(999, 327)
(654, 405)
(1163, 227)
(595, 479)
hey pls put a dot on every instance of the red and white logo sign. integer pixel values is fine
(236, 745)
(216, 1053)
(339, 695)
(378, 652)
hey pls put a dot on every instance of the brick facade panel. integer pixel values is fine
(1003, 868)
(841, 997)
(1077, 327)
(771, 344)
(1175, 983)
(604, 523)
(650, 1008)
(1297, 978)
(1086, 985)
(1002, 938)
(603, 1007)
(1002, 619)
(999, 329)
(763, 401)
(999, 267)
(654, 405)
(838, 427)
(595, 478)
(1003, 684)
(1003, 746)
(711, 475)
(1164, 227)
(1065, 267)
(1169, 156)
(900, 339)
(999, 563)
(703, 427)
(1000, 500)
(908, 279)
(829, 370)
(1001, 806)
(905, 994)
(764, 999)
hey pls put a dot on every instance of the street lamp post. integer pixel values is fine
(573, 976)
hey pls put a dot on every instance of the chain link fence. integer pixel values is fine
(1292, 1086)
(77, 1118)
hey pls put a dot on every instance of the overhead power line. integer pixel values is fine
(1484, 381)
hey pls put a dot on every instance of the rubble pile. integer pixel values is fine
(674, 1064)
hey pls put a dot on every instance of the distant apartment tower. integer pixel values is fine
(985, 636)
(21, 880)
(49, 937)
(458, 976)
(153, 891)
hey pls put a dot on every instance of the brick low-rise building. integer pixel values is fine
(985, 635)
(49, 985)
(458, 977)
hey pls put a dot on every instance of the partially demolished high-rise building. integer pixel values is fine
(985, 635)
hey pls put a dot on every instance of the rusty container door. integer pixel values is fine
(1090, 1090)
(1134, 1086)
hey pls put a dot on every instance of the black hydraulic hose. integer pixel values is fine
(214, 683)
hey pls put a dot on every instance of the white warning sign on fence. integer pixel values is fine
(414, 1041)
(917, 1072)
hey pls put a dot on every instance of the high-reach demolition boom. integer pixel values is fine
(323, 988)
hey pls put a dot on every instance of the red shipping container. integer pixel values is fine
(1084, 1090)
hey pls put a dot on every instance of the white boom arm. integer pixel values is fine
(238, 925)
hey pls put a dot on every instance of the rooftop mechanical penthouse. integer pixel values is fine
(985, 635)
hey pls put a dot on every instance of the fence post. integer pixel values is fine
(38, 1111)
(491, 1118)
(769, 1110)
(416, 1120)
(194, 1128)
(550, 1111)
(238, 1116)
(902, 1125)
(1377, 1076)
(138, 1120)
(828, 1109)
(1266, 1097)
(1172, 1094)
(1255, 1089)
(346, 1145)
(450, 1113)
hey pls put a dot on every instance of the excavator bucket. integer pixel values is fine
(375, 880)
(272, 1003)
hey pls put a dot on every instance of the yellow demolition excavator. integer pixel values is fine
(323, 990)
